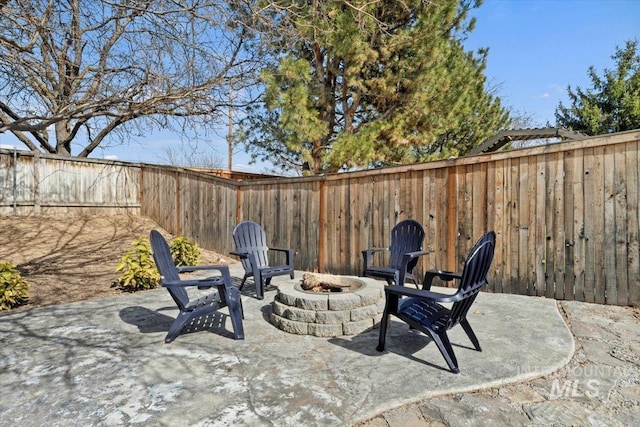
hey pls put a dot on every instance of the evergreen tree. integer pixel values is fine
(612, 104)
(361, 84)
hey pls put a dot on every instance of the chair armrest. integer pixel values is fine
(251, 257)
(241, 254)
(280, 249)
(371, 250)
(445, 276)
(288, 255)
(208, 282)
(406, 259)
(225, 276)
(192, 268)
(366, 254)
(416, 254)
(423, 294)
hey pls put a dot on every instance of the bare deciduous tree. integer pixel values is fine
(98, 68)
(193, 155)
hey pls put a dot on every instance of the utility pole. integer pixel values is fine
(230, 129)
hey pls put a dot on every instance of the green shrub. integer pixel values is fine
(184, 252)
(14, 290)
(138, 270)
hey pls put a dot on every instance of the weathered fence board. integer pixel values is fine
(632, 160)
(598, 218)
(159, 197)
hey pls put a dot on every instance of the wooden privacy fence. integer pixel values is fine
(566, 215)
(33, 184)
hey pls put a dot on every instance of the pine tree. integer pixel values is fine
(371, 83)
(612, 103)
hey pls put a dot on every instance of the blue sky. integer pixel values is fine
(536, 49)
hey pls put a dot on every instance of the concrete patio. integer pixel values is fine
(104, 362)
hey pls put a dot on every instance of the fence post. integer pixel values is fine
(238, 203)
(178, 203)
(36, 183)
(322, 228)
(15, 181)
(143, 208)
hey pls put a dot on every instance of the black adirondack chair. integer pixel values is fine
(406, 245)
(225, 294)
(422, 309)
(252, 248)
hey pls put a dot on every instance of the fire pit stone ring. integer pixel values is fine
(356, 308)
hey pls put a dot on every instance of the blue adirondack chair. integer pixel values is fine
(405, 248)
(422, 309)
(225, 294)
(253, 250)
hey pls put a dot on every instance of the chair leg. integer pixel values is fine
(400, 277)
(383, 331)
(257, 278)
(176, 327)
(467, 328)
(384, 322)
(390, 306)
(442, 341)
(244, 279)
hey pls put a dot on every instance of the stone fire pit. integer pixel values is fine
(332, 305)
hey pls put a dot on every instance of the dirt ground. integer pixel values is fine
(67, 259)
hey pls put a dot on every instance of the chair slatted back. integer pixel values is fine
(250, 237)
(166, 267)
(474, 276)
(406, 236)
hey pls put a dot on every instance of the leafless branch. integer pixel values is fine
(101, 64)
